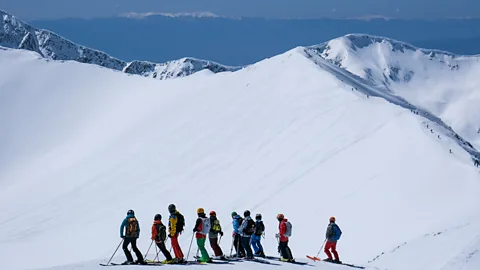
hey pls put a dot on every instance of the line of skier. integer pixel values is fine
(247, 233)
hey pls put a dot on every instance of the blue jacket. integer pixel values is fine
(125, 223)
(236, 224)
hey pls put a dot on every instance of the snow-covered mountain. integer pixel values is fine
(373, 131)
(283, 135)
(444, 84)
(15, 33)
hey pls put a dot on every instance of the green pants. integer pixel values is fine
(201, 247)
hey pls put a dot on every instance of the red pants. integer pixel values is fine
(331, 246)
(216, 248)
(176, 247)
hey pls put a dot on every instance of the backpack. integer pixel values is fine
(206, 226)
(215, 225)
(240, 221)
(180, 222)
(336, 232)
(161, 233)
(288, 232)
(132, 228)
(259, 228)
(250, 228)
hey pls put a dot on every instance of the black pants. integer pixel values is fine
(247, 247)
(285, 250)
(163, 249)
(237, 243)
(133, 241)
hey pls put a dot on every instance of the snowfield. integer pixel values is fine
(83, 144)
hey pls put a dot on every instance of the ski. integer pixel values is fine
(345, 264)
(260, 261)
(220, 261)
(279, 259)
(234, 259)
(136, 264)
(354, 266)
(313, 258)
(215, 260)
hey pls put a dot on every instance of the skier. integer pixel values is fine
(215, 230)
(257, 236)
(332, 235)
(237, 243)
(284, 228)
(476, 163)
(246, 230)
(159, 235)
(175, 228)
(132, 232)
(201, 229)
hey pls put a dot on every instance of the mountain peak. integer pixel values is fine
(17, 34)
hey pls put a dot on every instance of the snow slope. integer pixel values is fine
(15, 33)
(445, 84)
(283, 135)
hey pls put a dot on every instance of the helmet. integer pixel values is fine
(280, 216)
(246, 213)
(234, 213)
(212, 213)
(200, 211)
(158, 217)
(258, 217)
(172, 208)
(332, 219)
(130, 212)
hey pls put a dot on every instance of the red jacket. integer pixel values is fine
(154, 228)
(282, 230)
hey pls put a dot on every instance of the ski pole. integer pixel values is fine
(219, 240)
(240, 247)
(121, 242)
(158, 252)
(278, 244)
(148, 251)
(231, 248)
(318, 254)
(191, 242)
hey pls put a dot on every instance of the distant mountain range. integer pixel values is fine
(15, 33)
(242, 41)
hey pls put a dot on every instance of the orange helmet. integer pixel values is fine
(280, 216)
(200, 211)
(212, 213)
(332, 219)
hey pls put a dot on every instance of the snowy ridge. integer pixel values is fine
(443, 84)
(380, 59)
(17, 34)
(179, 68)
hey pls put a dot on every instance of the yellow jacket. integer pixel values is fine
(172, 223)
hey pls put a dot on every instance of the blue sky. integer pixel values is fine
(428, 9)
